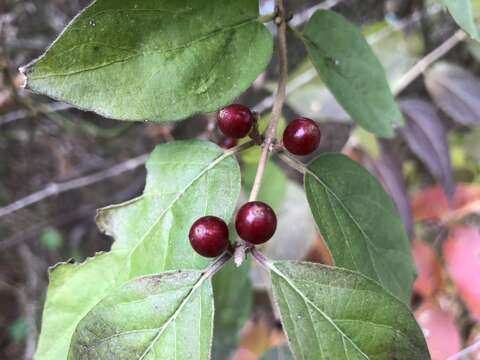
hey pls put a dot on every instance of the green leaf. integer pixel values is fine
(155, 60)
(165, 316)
(352, 72)
(186, 180)
(360, 222)
(274, 184)
(51, 238)
(333, 313)
(232, 291)
(462, 12)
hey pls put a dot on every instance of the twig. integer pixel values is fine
(218, 264)
(467, 351)
(270, 133)
(56, 189)
(428, 60)
(293, 163)
(23, 113)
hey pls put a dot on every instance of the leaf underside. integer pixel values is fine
(333, 313)
(186, 180)
(154, 60)
(360, 222)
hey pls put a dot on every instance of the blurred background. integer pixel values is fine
(58, 165)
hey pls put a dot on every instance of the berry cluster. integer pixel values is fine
(256, 221)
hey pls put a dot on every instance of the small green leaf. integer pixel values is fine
(360, 222)
(165, 316)
(462, 12)
(352, 72)
(51, 238)
(333, 313)
(186, 180)
(155, 60)
(18, 330)
(232, 291)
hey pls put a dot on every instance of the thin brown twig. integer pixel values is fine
(422, 65)
(58, 188)
(470, 350)
(270, 134)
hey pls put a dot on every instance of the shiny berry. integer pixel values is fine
(235, 121)
(209, 236)
(256, 222)
(302, 136)
(229, 143)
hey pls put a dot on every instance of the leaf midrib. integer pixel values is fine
(177, 312)
(205, 37)
(210, 166)
(347, 211)
(309, 302)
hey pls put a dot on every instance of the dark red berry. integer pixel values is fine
(256, 222)
(209, 236)
(228, 143)
(302, 136)
(235, 121)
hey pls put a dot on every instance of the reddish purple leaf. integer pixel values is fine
(440, 330)
(388, 170)
(429, 270)
(462, 255)
(426, 136)
(455, 91)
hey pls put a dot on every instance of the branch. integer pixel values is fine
(467, 351)
(56, 189)
(428, 60)
(270, 133)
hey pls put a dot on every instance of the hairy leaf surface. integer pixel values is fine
(165, 316)
(154, 59)
(186, 180)
(360, 222)
(333, 313)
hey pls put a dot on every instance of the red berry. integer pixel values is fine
(256, 222)
(229, 143)
(302, 136)
(235, 121)
(209, 236)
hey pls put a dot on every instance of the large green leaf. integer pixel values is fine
(352, 72)
(462, 12)
(166, 316)
(154, 59)
(186, 180)
(333, 313)
(360, 222)
(232, 291)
